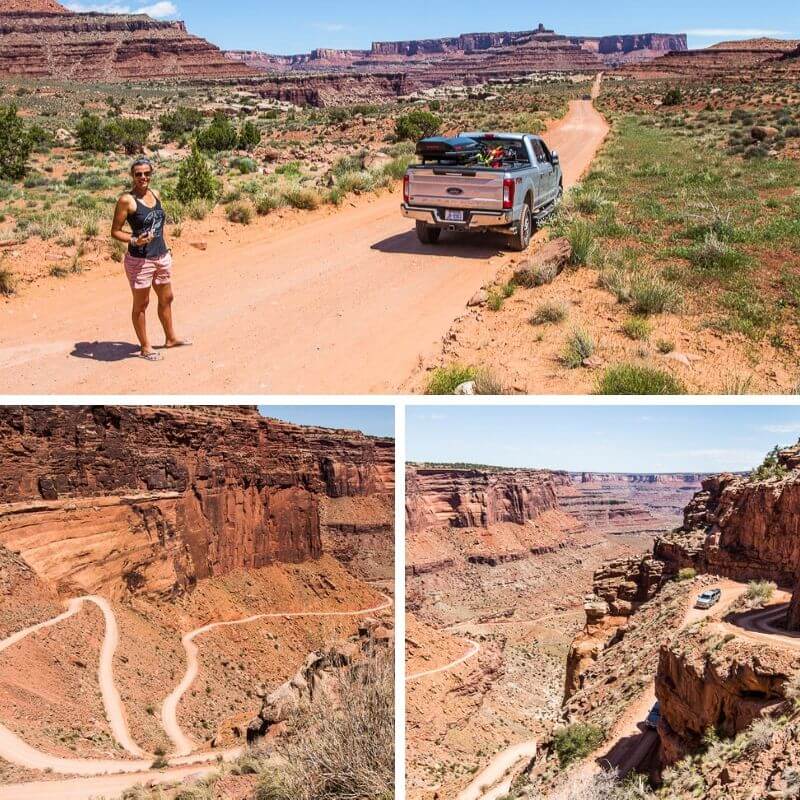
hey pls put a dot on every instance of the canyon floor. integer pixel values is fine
(491, 613)
(291, 303)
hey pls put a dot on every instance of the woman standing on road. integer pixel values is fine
(148, 262)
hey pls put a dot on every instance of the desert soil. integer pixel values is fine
(327, 302)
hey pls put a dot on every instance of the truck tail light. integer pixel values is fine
(509, 187)
(406, 182)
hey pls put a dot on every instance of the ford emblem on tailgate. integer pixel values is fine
(455, 190)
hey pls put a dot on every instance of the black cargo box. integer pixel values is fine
(439, 148)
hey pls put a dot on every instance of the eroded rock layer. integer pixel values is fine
(47, 40)
(151, 500)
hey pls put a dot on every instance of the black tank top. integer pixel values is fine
(148, 220)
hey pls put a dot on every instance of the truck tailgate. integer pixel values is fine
(456, 187)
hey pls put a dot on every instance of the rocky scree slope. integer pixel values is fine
(146, 500)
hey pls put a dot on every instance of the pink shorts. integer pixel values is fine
(143, 273)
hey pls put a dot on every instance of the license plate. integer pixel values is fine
(454, 216)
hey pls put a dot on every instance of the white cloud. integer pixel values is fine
(791, 427)
(743, 32)
(331, 27)
(163, 9)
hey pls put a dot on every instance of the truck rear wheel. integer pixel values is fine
(428, 234)
(521, 240)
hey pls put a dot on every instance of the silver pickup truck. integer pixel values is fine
(511, 194)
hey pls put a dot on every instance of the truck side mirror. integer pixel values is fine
(554, 157)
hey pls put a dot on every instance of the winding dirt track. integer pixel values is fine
(474, 649)
(108, 776)
(343, 302)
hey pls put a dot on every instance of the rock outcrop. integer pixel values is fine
(151, 500)
(471, 498)
(45, 40)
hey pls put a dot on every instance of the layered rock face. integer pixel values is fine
(476, 499)
(468, 59)
(48, 41)
(741, 528)
(707, 681)
(142, 499)
(626, 503)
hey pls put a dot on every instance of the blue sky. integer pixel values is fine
(373, 420)
(281, 27)
(601, 438)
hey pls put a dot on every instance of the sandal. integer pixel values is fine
(152, 356)
(181, 343)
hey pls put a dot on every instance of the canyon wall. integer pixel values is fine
(48, 41)
(471, 498)
(147, 499)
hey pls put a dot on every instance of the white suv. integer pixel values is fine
(708, 598)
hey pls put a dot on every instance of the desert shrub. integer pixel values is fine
(339, 750)
(97, 135)
(445, 380)
(576, 741)
(580, 346)
(198, 208)
(673, 97)
(15, 145)
(245, 166)
(417, 125)
(714, 254)
(195, 179)
(633, 379)
(617, 281)
(179, 122)
(487, 383)
(302, 197)
(771, 467)
(267, 202)
(495, 300)
(686, 574)
(759, 593)
(7, 281)
(581, 239)
(536, 275)
(218, 136)
(665, 346)
(637, 328)
(649, 294)
(589, 201)
(551, 311)
(249, 136)
(240, 212)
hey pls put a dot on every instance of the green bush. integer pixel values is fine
(240, 212)
(633, 379)
(302, 197)
(673, 97)
(581, 240)
(771, 467)
(551, 311)
(15, 145)
(245, 166)
(417, 125)
(637, 328)
(179, 122)
(267, 202)
(445, 380)
(686, 574)
(128, 133)
(218, 136)
(579, 347)
(651, 295)
(195, 180)
(759, 593)
(576, 741)
(249, 136)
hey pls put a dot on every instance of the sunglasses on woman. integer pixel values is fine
(142, 174)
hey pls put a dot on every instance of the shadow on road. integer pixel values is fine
(479, 246)
(105, 351)
(635, 752)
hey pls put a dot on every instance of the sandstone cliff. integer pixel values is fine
(145, 499)
(48, 41)
(476, 499)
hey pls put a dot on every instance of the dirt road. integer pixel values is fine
(343, 302)
(494, 781)
(114, 776)
(474, 649)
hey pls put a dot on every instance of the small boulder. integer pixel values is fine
(479, 298)
(467, 388)
(763, 132)
(376, 160)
